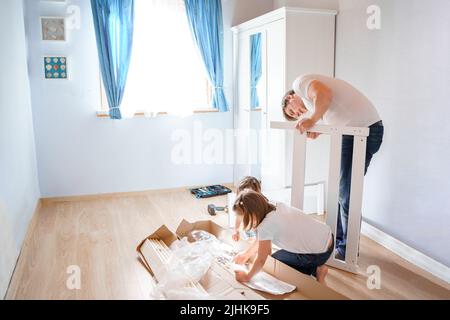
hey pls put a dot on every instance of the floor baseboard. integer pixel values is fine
(73, 198)
(406, 252)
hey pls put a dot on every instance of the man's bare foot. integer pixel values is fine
(322, 272)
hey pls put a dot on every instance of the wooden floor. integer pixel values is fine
(100, 236)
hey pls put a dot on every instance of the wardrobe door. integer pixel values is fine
(310, 49)
(273, 155)
(258, 98)
(242, 105)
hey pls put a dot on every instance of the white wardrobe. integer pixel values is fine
(293, 41)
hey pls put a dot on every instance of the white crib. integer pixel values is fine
(357, 182)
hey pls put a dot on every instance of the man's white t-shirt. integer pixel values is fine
(292, 230)
(349, 107)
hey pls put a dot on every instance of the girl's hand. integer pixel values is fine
(236, 236)
(241, 258)
(242, 276)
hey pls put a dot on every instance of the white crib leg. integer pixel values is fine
(333, 181)
(356, 196)
(298, 170)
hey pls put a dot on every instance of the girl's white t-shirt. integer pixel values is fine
(292, 230)
(349, 107)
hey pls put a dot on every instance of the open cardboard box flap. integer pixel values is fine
(220, 282)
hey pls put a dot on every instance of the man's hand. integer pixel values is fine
(241, 258)
(313, 135)
(305, 124)
(242, 276)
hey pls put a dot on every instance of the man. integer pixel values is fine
(337, 103)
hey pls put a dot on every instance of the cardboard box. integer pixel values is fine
(221, 283)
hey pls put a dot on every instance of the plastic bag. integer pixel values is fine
(188, 264)
(224, 253)
(201, 235)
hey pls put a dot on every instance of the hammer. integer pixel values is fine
(212, 209)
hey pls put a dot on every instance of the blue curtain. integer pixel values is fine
(256, 69)
(113, 21)
(206, 24)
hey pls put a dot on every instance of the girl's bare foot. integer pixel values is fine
(322, 272)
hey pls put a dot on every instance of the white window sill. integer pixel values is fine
(141, 114)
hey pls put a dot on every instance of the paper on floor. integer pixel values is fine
(266, 283)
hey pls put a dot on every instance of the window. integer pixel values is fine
(167, 74)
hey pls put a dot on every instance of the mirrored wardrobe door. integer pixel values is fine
(258, 98)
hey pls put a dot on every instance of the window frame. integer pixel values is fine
(103, 112)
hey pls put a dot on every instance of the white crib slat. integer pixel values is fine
(356, 196)
(298, 170)
(324, 129)
(320, 199)
(333, 181)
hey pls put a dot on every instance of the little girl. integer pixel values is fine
(247, 183)
(306, 243)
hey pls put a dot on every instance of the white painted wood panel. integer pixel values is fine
(356, 197)
(274, 151)
(242, 106)
(298, 171)
(298, 183)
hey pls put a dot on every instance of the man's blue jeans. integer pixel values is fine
(374, 141)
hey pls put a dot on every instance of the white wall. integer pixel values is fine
(316, 4)
(80, 154)
(19, 191)
(404, 68)
(239, 11)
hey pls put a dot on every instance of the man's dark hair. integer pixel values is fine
(284, 105)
